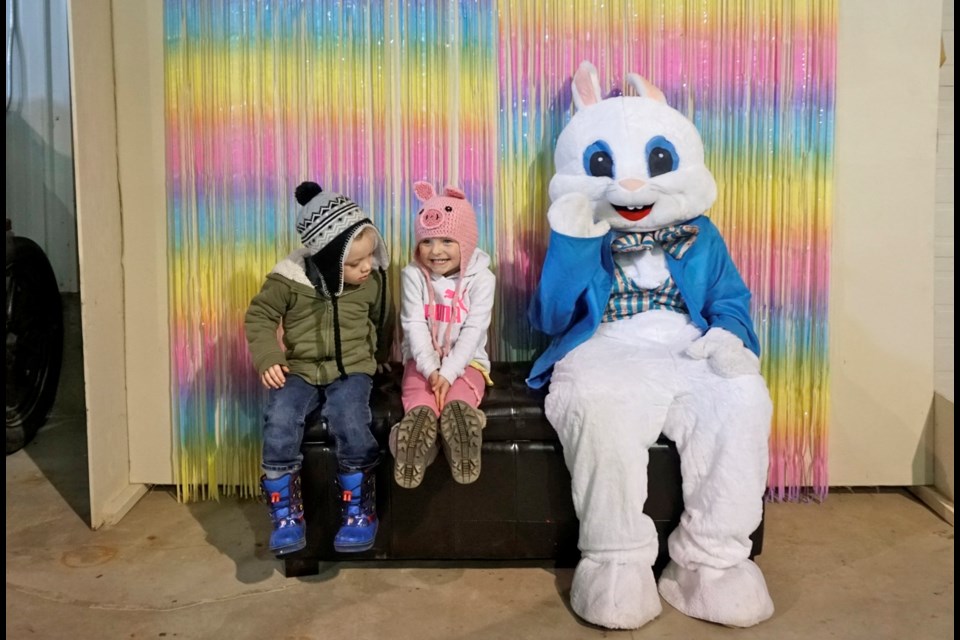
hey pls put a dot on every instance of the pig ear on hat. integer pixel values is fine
(424, 191)
(454, 192)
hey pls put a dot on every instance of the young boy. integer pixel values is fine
(330, 299)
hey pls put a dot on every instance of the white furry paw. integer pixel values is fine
(615, 595)
(572, 215)
(736, 597)
(725, 354)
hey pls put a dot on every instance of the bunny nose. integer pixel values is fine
(431, 218)
(632, 184)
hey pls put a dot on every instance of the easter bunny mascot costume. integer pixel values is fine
(650, 333)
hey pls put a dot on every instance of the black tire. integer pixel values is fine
(34, 340)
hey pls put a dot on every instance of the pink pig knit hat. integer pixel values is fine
(446, 215)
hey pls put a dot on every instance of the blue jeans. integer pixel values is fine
(346, 409)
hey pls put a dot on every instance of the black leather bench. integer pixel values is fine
(520, 509)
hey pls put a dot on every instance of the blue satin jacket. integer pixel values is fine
(577, 280)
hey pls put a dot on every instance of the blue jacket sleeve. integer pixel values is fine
(730, 310)
(726, 303)
(570, 271)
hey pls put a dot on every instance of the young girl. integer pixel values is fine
(447, 292)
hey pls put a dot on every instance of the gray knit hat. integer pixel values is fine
(328, 223)
(324, 216)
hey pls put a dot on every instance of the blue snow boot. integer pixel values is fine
(286, 511)
(359, 510)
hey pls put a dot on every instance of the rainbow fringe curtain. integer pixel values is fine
(367, 97)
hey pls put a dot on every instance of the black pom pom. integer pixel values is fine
(306, 191)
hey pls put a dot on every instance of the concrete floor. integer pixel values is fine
(868, 565)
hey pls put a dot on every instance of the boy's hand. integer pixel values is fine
(274, 378)
(384, 367)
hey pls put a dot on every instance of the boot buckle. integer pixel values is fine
(347, 495)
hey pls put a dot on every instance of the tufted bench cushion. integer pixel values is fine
(519, 509)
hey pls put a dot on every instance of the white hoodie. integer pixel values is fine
(470, 315)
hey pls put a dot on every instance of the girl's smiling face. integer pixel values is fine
(440, 255)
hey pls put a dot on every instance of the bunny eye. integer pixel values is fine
(448, 208)
(661, 157)
(598, 160)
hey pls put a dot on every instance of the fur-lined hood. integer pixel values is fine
(293, 267)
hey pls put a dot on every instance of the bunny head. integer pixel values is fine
(639, 161)
(446, 215)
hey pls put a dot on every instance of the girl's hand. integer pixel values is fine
(440, 391)
(440, 386)
(274, 378)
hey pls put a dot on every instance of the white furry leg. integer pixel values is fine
(736, 596)
(608, 401)
(616, 595)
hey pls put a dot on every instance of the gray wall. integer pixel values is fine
(943, 286)
(40, 188)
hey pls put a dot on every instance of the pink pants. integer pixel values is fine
(416, 389)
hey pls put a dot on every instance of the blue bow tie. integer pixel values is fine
(675, 240)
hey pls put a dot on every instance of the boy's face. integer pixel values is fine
(359, 261)
(440, 255)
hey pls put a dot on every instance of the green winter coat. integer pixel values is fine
(288, 298)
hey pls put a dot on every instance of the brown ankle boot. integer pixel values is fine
(416, 437)
(461, 436)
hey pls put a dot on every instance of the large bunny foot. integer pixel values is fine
(616, 595)
(736, 597)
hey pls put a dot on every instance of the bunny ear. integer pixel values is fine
(645, 88)
(424, 191)
(586, 86)
(454, 192)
